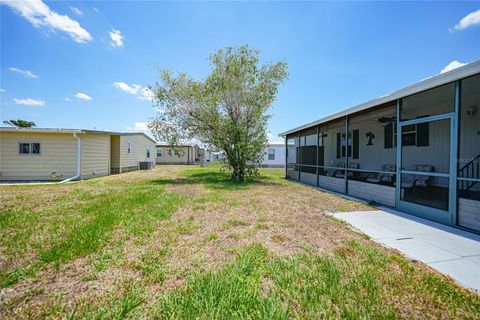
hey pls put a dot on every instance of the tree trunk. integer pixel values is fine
(238, 173)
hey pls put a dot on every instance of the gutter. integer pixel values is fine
(79, 143)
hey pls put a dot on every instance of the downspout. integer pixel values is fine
(79, 143)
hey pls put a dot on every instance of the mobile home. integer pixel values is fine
(181, 154)
(416, 149)
(70, 154)
(274, 156)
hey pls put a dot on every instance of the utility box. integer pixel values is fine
(146, 165)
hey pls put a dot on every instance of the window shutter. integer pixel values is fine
(355, 141)
(339, 145)
(388, 134)
(423, 134)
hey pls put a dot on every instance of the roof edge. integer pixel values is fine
(80, 131)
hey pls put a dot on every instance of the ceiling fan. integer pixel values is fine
(387, 119)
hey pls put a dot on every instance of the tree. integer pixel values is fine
(226, 111)
(20, 123)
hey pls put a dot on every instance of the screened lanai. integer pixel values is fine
(417, 150)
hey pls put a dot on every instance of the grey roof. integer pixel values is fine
(429, 83)
(176, 146)
(80, 131)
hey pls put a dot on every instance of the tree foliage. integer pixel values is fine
(227, 110)
(20, 123)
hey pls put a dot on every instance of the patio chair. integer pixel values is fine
(408, 181)
(417, 180)
(384, 176)
(333, 172)
(388, 176)
(421, 180)
(351, 165)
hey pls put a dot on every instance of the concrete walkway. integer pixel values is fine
(450, 251)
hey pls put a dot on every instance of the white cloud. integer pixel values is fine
(96, 10)
(39, 15)
(131, 89)
(273, 139)
(83, 96)
(25, 73)
(142, 93)
(471, 19)
(77, 11)
(116, 37)
(452, 65)
(146, 94)
(30, 102)
(2, 90)
(67, 99)
(140, 126)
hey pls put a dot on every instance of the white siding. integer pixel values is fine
(279, 160)
(292, 174)
(308, 178)
(331, 183)
(374, 192)
(469, 213)
(58, 154)
(373, 157)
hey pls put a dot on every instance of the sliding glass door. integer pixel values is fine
(426, 136)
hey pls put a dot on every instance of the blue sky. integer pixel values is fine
(87, 64)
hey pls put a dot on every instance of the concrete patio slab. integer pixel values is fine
(419, 250)
(448, 250)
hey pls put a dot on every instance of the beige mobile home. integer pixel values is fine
(71, 154)
(182, 154)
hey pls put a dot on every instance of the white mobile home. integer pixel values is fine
(274, 156)
(416, 149)
(61, 154)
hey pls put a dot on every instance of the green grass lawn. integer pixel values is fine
(185, 242)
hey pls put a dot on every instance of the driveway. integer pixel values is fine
(450, 251)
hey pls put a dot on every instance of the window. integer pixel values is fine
(412, 135)
(409, 135)
(148, 151)
(271, 154)
(351, 143)
(159, 152)
(24, 148)
(349, 146)
(129, 147)
(29, 148)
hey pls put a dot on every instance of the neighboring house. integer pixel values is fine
(274, 156)
(204, 155)
(45, 153)
(217, 156)
(182, 154)
(416, 149)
